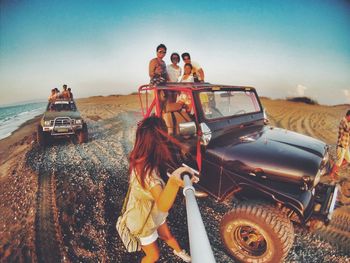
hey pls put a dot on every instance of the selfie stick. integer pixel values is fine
(201, 251)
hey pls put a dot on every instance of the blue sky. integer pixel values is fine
(283, 48)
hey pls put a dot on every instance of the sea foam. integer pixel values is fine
(11, 117)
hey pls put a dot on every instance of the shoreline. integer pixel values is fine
(105, 107)
(24, 134)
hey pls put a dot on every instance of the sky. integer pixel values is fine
(282, 48)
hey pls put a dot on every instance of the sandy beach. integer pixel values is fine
(87, 183)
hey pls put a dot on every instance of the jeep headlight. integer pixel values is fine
(206, 134)
(47, 123)
(79, 121)
(266, 119)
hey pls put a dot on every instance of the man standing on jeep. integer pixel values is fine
(343, 153)
(65, 93)
(196, 68)
(157, 68)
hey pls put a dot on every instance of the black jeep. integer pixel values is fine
(273, 173)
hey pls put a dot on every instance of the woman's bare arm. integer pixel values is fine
(165, 197)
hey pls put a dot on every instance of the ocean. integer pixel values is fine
(11, 117)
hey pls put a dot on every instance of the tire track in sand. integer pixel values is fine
(49, 244)
(89, 176)
(337, 232)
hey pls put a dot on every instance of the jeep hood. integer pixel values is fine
(271, 153)
(51, 115)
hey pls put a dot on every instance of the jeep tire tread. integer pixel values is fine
(41, 136)
(257, 232)
(83, 134)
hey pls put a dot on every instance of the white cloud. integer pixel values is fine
(346, 93)
(299, 91)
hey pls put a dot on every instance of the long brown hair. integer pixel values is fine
(151, 148)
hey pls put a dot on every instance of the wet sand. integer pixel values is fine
(88, 183)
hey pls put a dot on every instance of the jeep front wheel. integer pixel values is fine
(41, 136)
(83, 134)
(256, 232)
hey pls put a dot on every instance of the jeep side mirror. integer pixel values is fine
(188, 128)
(266, 119)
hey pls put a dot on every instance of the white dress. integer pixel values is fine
(173, 73)
(189, 79)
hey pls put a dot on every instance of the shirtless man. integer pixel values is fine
(157, 67)
(65, 93)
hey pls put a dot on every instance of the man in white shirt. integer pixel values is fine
(196, 68)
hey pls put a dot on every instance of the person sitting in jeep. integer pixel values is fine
(70, 93)
(185, 99)
(53, 95)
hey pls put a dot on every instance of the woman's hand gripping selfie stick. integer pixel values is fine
(201, 251)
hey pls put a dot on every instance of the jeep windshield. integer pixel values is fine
(61, 106)
(228, 103)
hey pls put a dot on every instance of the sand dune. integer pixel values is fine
(318, 121)
(85, 185)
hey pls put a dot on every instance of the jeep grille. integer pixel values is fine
(62, 121)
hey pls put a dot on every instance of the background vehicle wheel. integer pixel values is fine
(41, 136)
(257, 232)
(83, 134)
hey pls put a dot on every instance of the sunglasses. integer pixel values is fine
(162, 52)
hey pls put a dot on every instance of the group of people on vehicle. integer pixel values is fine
(66, 93)
(160, 73)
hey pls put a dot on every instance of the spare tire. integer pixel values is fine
(257, 232)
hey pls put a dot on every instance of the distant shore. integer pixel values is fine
(25, 133)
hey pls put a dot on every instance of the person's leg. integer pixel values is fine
(340, 157)
(151, 251)
(165, 234)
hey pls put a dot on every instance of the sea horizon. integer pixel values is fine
(13, 116)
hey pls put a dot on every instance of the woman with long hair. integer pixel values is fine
(150, 198)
